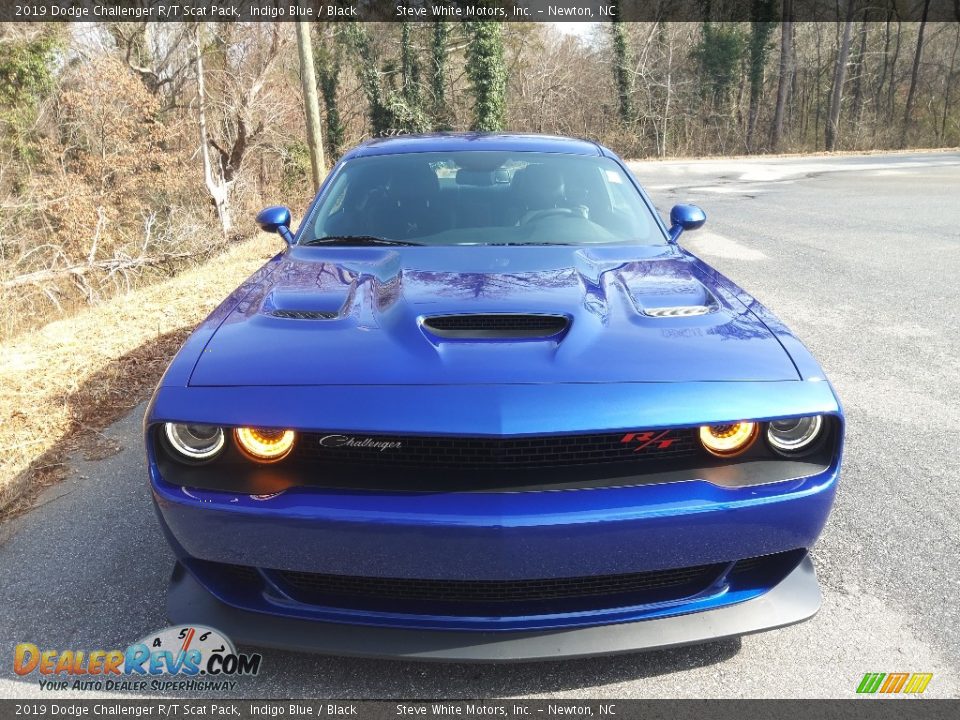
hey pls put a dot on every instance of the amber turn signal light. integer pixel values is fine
(728, 439)
(265, 445)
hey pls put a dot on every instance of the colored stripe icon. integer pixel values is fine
(892, 683)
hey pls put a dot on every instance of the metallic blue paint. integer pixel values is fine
(276, 218)
(372, 369)
(380, 294)
(476, 535)
(685, 217)
(455, 142)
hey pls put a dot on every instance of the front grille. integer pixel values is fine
(472, 453)
(494, 326)
(304, 314)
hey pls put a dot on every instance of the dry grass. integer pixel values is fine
(64, 382)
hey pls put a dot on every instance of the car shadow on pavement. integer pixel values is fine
(362, 678)
(86, 568)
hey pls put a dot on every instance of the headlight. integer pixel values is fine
(265, 445)
(789, 437)
(729, 439)
(194, 442)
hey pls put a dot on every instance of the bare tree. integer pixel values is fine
(217, 184)
(911, 94)
(951, 78)
(243, 67)
(311, 104)
(786, 73)
(839, 77)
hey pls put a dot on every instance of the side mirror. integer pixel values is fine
(276, 218)
(685, 217)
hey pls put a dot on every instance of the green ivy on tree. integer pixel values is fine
(328, 66)
(487, 71)
(719, 54)
(26, 76)
(438, 79)
(621, 68)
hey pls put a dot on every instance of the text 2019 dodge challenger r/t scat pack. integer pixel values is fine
(484, 407)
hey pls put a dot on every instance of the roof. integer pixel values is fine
(453, 142)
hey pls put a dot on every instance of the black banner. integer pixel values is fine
(469, 10)
(881, 709)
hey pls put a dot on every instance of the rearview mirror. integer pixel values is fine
(685, 217)
(276, 218)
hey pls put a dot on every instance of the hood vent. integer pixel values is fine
(495, 326)
(304, 314)
(681, 311)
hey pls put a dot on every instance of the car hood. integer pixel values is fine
(339, 316)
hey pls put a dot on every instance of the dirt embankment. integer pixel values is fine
(62, 383)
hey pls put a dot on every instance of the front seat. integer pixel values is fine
(536, 188)
(410, 207)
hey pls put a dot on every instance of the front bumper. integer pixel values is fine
(494, 537)
(795, 599)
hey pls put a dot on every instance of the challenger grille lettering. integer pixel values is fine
(649, 438)
(337, 441)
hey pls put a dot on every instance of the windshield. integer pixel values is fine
(483, 198)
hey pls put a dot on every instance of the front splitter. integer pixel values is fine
(795, 599)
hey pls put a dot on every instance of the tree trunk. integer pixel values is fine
(818, 88)
(219, 189)
(839, 76)
(311, 104)
(760, 30)
(327, 63)
(911, 94)
(668, 91)
(487, 70)
(438, 78)
(786, 71)
(621, 73)
(859, 64)
(949, 89)
(892, 87)
(881, 81)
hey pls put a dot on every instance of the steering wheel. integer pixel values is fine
(538, 215)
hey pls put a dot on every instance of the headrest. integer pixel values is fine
(538, 187)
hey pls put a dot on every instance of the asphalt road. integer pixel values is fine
(860, 256)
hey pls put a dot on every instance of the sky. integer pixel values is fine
(581, 30)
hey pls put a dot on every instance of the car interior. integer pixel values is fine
(483, 200)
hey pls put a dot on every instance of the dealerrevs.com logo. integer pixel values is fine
(198, 657)
(894, 683)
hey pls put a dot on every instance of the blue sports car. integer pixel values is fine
(484, 407)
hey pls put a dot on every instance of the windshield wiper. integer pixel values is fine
(356, 240)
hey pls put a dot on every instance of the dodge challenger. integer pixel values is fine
(484, 406)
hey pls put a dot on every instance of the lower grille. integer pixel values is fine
(505, 591)
(496, 598)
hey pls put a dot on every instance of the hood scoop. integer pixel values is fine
(495, 326)
(304, 314)
(680, 311)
